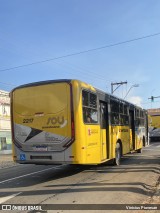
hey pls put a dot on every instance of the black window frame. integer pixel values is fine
(119, 113)
(89, 108)
(114, 110)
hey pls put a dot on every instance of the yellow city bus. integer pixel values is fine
(154, 124)
(154, 120)
(72, 122)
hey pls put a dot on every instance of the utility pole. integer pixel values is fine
(118, 85)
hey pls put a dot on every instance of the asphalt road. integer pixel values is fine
(135, 181)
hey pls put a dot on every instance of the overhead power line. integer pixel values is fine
(81, 52)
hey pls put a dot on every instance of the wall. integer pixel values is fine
(5, 126)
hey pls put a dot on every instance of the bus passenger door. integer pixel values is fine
(132, 130)
(104, 130)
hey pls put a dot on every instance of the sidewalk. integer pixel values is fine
(6, 161)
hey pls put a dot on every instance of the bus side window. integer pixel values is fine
(90, 112)
(86, 115)
(85, 98)
(114, 112)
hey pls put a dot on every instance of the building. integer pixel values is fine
(5, 126)
(154, 111)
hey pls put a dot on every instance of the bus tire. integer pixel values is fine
(117, 154)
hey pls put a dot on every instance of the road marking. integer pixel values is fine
(152, 150)
(30, 174)
(4, 199)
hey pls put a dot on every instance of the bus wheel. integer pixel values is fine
(117, 154)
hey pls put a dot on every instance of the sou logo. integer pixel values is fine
(55, 120)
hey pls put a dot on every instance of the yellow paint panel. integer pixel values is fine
(103, 144)
(154, 121)
(31, 100)
(44, 107)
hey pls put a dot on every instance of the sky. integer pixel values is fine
(39, 30)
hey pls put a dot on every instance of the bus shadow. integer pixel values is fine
(65, 171)
(89, 183)
(53, 180)
(117, 187)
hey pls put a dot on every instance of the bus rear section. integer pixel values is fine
(42, 123)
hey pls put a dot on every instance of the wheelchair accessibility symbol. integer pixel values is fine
(22, 157)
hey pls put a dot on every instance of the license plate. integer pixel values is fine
(40, 148)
